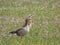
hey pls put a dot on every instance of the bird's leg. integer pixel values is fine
(21, 37)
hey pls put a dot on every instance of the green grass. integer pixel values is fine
(46, 21)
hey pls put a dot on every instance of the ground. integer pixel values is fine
(46, 21)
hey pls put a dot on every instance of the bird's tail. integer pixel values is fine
(13, 32)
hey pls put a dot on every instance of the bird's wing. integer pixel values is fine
(19, 29)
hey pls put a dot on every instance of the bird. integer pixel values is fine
(24, 30)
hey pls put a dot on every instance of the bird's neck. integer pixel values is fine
(27, 27)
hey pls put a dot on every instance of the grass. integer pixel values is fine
(46, 19)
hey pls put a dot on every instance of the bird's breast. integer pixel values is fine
(27, 28)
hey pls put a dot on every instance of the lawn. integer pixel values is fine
(46, 21)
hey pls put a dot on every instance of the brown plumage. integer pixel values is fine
(25, 28)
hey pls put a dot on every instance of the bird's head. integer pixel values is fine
(29, 20)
